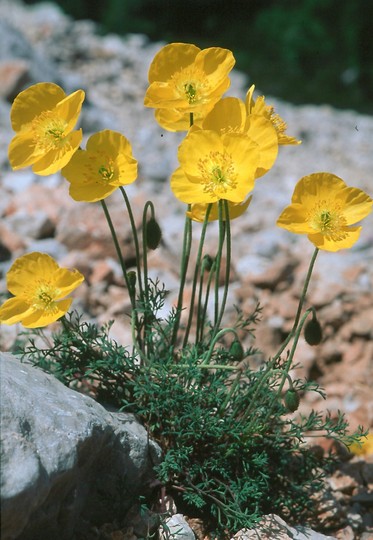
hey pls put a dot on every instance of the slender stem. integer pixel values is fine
(232, 390)
(196, 272)
(227, 263)
(187, 243)
(146, 297)
(305, 287)
(135, 240)
(213, 366)
(269, 370)
(218, 264)
(204, 310)
(119, 253)
(300, 306)
(286, 369)
(214, 340)
(150, 205)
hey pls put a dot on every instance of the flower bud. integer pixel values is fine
(153, 234)
(236, 350)
(313, 332)
(291, 400)
(207, 263)
(131, 276)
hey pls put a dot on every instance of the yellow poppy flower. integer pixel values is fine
(187, 79)
(229, 115)
(324, 207)
(214, 167)
(43, 118)
(106, 164)
(366, 447)
(39, 286)
(259, 107)
(198, 211)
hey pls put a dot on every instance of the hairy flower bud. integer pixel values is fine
(131, 276)
(153, 234)
(236, 350)
(291, 400)
(207, 263)
(313, 332)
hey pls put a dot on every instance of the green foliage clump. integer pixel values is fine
(231, 450)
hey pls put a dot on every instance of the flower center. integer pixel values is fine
(327, 218)
(49, 131)
(43, 298)
(191, 84)
(217, 173)
(106, 173)
(99, 168)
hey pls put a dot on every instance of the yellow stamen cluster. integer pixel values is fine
(191, 83)
(43, 298)
(49, 131)
(278, 123)
(217, 173)
(106, 173)
(327, 218)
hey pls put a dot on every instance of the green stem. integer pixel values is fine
(119, 253)
(289, 361)
(227, 264)
(196, 272)
(204, 310)
(232, 390)
(300, 307)
(135, 240)
(150, 205)
(218, 264)
(187, 243)
(269, 370)
(214, 340)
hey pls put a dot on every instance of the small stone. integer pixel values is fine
(176, 528)
(343, 482)
(347, 533)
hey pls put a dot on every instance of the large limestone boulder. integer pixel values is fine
(64, 458)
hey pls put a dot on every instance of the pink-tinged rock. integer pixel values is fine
(279, 272)
(360, 326)
(9, 238)
(84, 227)
(102, 271)
(13, 76)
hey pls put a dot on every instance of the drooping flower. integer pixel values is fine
(43, 117)
(229, 115)
(258, 107)
(106, 164)
(39, 286)
(198, 211)
(185, 79)
(214, 167)
(324, 208)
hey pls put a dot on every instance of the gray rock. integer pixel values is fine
(64, 458)
(35, 67)
(273, 526)
(176, 528)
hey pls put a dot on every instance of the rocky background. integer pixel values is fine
(41, 44)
